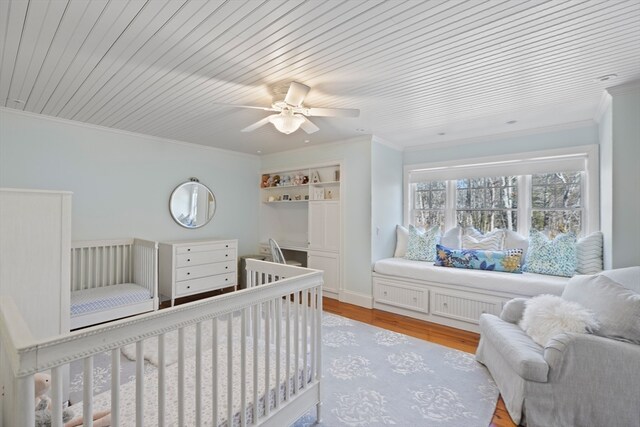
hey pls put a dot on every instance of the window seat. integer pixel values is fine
(452, 296)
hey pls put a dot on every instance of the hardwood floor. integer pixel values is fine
(439, 334)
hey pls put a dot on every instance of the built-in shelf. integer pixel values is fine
(286, 201)
(322, 184)
(280, 187)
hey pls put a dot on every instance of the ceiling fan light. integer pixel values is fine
(286, 123)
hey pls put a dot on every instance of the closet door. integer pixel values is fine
(324, 226)
(316, 225)
(327, 262)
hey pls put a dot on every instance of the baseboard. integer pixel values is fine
(355, 298)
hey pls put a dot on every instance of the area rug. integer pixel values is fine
(375, 377)
(372, 377)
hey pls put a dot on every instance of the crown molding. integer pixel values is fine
(145, 136)
(379, 140)
(362, 138)
(505, 135)
(625, 88)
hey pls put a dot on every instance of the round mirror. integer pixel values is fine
(192, 204)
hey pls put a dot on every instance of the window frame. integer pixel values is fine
(500, 165)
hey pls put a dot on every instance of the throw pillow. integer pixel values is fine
(546, 316)
(513, 240)
(616, 307)
(506, 261)
(402, 235)
(452, 238)
(555, 257)
(513, 310)
(421, 245)
(589, 254)
(473, 239)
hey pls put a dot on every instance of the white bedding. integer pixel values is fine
(107, 297)
(525, 284)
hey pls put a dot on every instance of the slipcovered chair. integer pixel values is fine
(576, 379)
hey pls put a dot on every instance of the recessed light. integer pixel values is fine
(306, 141)
(259, 151)
(510, 122)
(441, 133)
(360, 130)
(606, 77)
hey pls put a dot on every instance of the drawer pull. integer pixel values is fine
(226, 246)
(188, 273)
(226, 280)
(445, 305)
(415, 298)
(188, 259)
(188, 249)
(385, 292)
(188, 287)
(226, 268)
(226, 254)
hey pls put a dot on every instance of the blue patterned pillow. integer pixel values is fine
(557, 257)
(507, 261)
(421, 245)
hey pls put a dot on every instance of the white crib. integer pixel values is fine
(112, 279)
(280, 313)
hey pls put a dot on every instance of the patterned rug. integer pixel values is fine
(375, 377)
(372, 377)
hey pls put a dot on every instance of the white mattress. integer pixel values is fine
(525, 284)
(107, 297)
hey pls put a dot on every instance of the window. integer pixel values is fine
(429, 204)
(553, 192)
(487, 203)
(556, 202)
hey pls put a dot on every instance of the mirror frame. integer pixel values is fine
(197, 182)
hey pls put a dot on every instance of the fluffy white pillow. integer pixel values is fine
(546, 316)
(402, 236)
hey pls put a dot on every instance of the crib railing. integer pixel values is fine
(280, 313)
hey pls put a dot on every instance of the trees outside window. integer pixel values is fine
(429, 204)
(487, 203)
(556, 202)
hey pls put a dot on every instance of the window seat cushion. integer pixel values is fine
(526, 284)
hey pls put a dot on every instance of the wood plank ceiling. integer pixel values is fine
(415, 69)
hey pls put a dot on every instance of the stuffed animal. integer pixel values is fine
(275, 180)
(298, 179)
(286, 181)
(265, 181)
(43, 407)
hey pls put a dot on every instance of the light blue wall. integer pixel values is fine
(355, 198)
(504, 145)
(121, 182)
(386, 199)
(625, 157)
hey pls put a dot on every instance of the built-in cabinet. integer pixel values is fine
(300, 209)
(194, 266)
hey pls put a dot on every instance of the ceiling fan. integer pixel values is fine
(292, 115)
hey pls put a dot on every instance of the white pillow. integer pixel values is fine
(473, 239)
(402, 236)
(451, 238)
(546, 316)
(513, 240)
(589, 254)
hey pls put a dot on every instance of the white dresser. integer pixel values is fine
(194, 266)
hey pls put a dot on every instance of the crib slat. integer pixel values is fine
(140, 384)
(115, 387)
(243, 368)
(24, 403)
(87, 390)
(214, 370)
(56, 397)
(305, 333)
(230, 369)
(162, 380)
(81, 275)
(296, 341)
(267, 358)
(199, 374)
(181, 376)
(256, 333)
(278, 320)
(287, 384)
(313, 334)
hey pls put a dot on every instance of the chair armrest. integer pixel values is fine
(513, 310)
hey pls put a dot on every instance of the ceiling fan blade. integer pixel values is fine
(245, 106)
(308, 126)
(331, 112)
(257, 124)
(296, 93)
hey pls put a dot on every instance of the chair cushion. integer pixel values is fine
(524, 356)
(616, 307)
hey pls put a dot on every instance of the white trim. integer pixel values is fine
(151, 138)
(356, 298)
(591, 205)
(387, 143)
(361, 138)
(500, 136)
(625, 88)
(34, 190)
(603, 106)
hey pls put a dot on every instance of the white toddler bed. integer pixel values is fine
(273, 386)
(112, 279)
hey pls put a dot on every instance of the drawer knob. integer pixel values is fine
(415, 298)
(385, 292)
(188, 287)
(188, 259)
(226, 268)
(226, 254)
(188, 273)
(226, 280)
(445, 305)
(188, 249)
(226, 246)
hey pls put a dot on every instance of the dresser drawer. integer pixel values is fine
(197, 258)
(203, 270)
(402, 296)
(203, 284)
(463, 306)
(205, 247)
